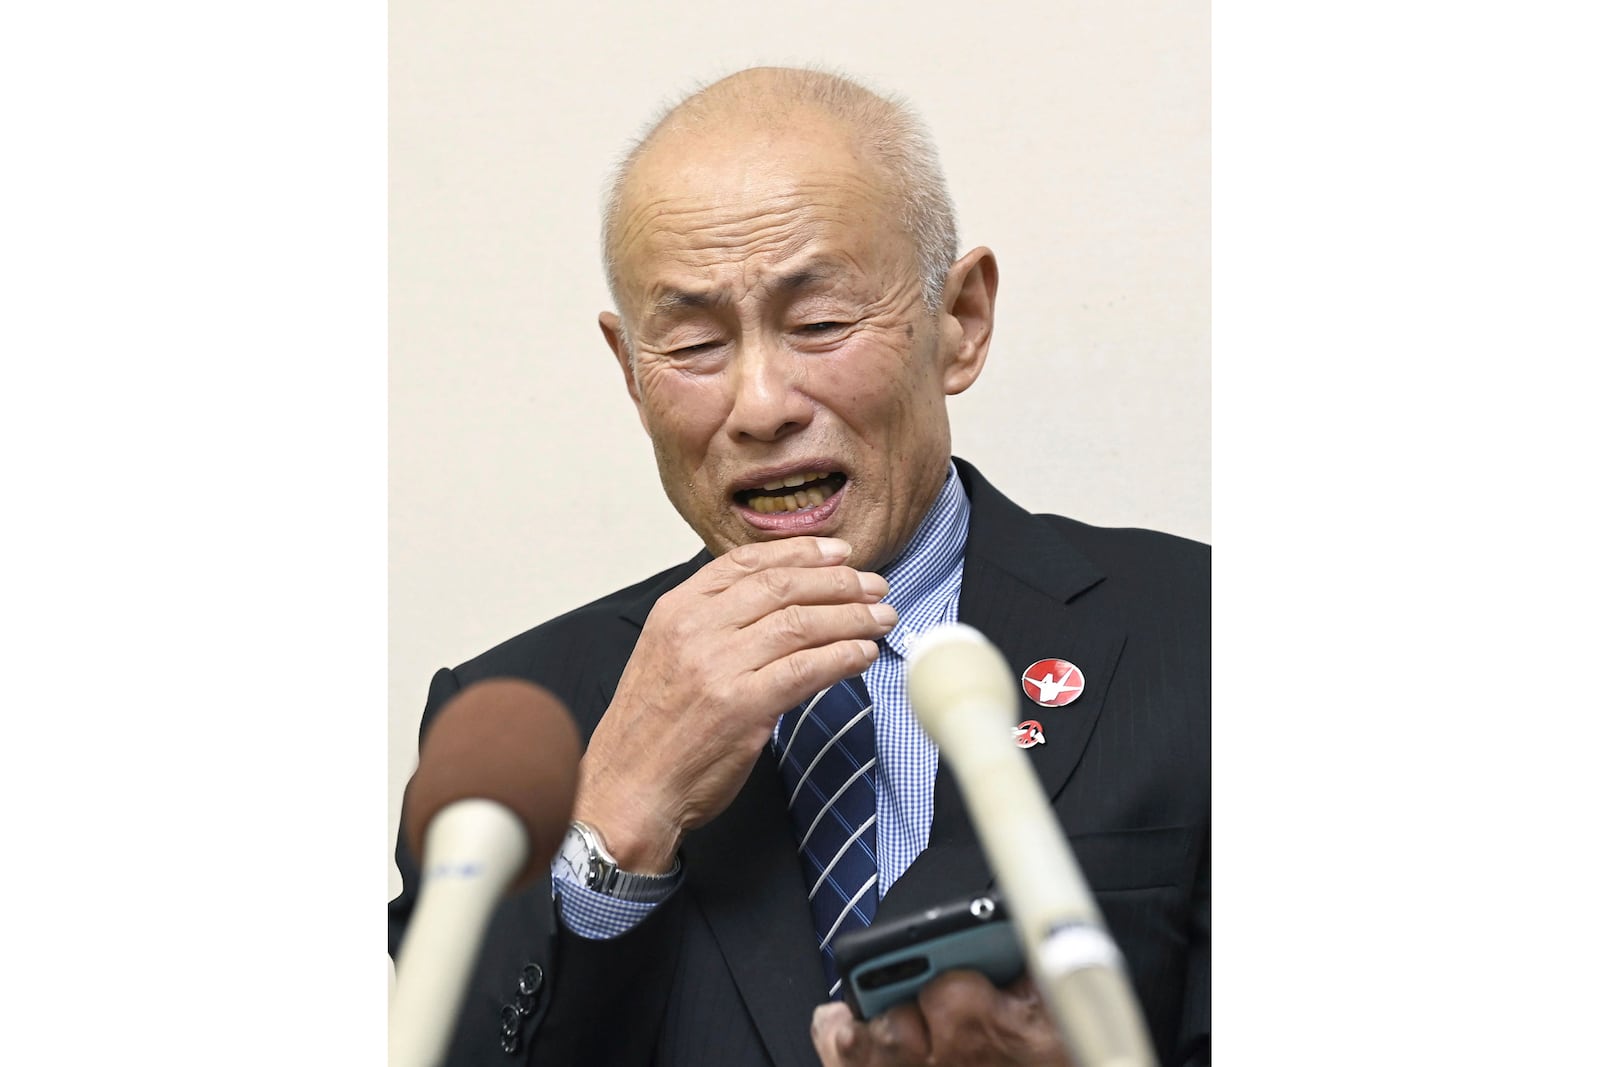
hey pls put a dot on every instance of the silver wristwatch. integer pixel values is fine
(588, 863)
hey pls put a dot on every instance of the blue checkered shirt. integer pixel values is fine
(925, 588)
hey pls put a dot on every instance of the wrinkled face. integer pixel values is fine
(782, 360)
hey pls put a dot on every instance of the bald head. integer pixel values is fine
(746, 111)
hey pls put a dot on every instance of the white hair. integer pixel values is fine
(886, 127)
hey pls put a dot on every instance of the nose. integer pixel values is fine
(768, 402)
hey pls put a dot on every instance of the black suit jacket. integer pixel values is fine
(727, 971)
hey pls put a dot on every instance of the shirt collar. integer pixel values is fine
(924, 576)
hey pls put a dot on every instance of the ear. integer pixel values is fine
(966, 319)
(611, 328)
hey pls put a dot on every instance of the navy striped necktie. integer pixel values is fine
(827, 755)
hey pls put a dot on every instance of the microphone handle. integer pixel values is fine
(1074, 961)
(472, 851)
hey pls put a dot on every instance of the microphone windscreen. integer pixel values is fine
(504, 740)
(961, 690)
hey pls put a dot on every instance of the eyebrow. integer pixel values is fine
(675, 299)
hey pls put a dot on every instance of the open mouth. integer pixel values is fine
(797, 492)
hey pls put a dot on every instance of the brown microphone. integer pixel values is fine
(484, 813)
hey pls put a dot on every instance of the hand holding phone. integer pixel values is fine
(886, 964)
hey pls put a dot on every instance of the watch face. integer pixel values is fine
(575, 858)
(583, 861)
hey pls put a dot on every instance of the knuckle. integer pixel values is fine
(746, 557)
(790, 622)
(845, 583)
(799, 676)
(778, 583)
(894, 1031)
(664, 605)
(671, 605)
(954, 994)
(670, 625)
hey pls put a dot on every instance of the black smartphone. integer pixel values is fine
(884, 965)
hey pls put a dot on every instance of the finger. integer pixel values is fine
(801, 626)
(1023, 996)
(836, 1035)
(758, 595)
(806, 673)
(748, 559)
(961, 1008)
(969, 1020)
(900, 1035)
(1023, 1011)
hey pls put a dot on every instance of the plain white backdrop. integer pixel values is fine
(521, 485)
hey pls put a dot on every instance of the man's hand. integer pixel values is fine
(720, 659)
(959, 1018)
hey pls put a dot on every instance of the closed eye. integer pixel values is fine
(689, 350)
(822, 327)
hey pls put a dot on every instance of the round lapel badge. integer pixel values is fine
(1052, 683)
(1027, 734)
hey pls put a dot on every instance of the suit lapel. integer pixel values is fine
(1019, 587)
(744, 872)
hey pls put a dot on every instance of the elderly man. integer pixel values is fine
(790, 316)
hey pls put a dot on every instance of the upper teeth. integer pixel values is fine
(794, 480)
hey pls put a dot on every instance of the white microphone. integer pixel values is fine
(484, 813)
(965, 697)
(473, 849)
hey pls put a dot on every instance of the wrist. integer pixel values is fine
(648, 846)
(638, 831)
(585, 861)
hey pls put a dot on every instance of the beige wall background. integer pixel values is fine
(1076, 140)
